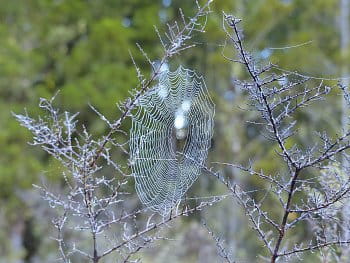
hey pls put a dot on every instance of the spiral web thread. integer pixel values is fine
(170, 137)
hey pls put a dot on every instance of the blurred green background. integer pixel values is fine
(80, 48)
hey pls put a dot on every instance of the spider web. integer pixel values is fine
(170, 137)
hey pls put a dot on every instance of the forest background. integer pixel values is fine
(81, 49)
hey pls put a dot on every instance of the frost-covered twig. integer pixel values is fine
(94, 202)
(278, 96)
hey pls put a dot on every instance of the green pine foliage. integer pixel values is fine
(81, 50)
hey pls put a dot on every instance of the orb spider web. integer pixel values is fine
(171, 133)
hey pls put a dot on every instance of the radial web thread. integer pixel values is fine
(170, 137)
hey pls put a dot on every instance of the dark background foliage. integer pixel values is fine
(81, 49)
